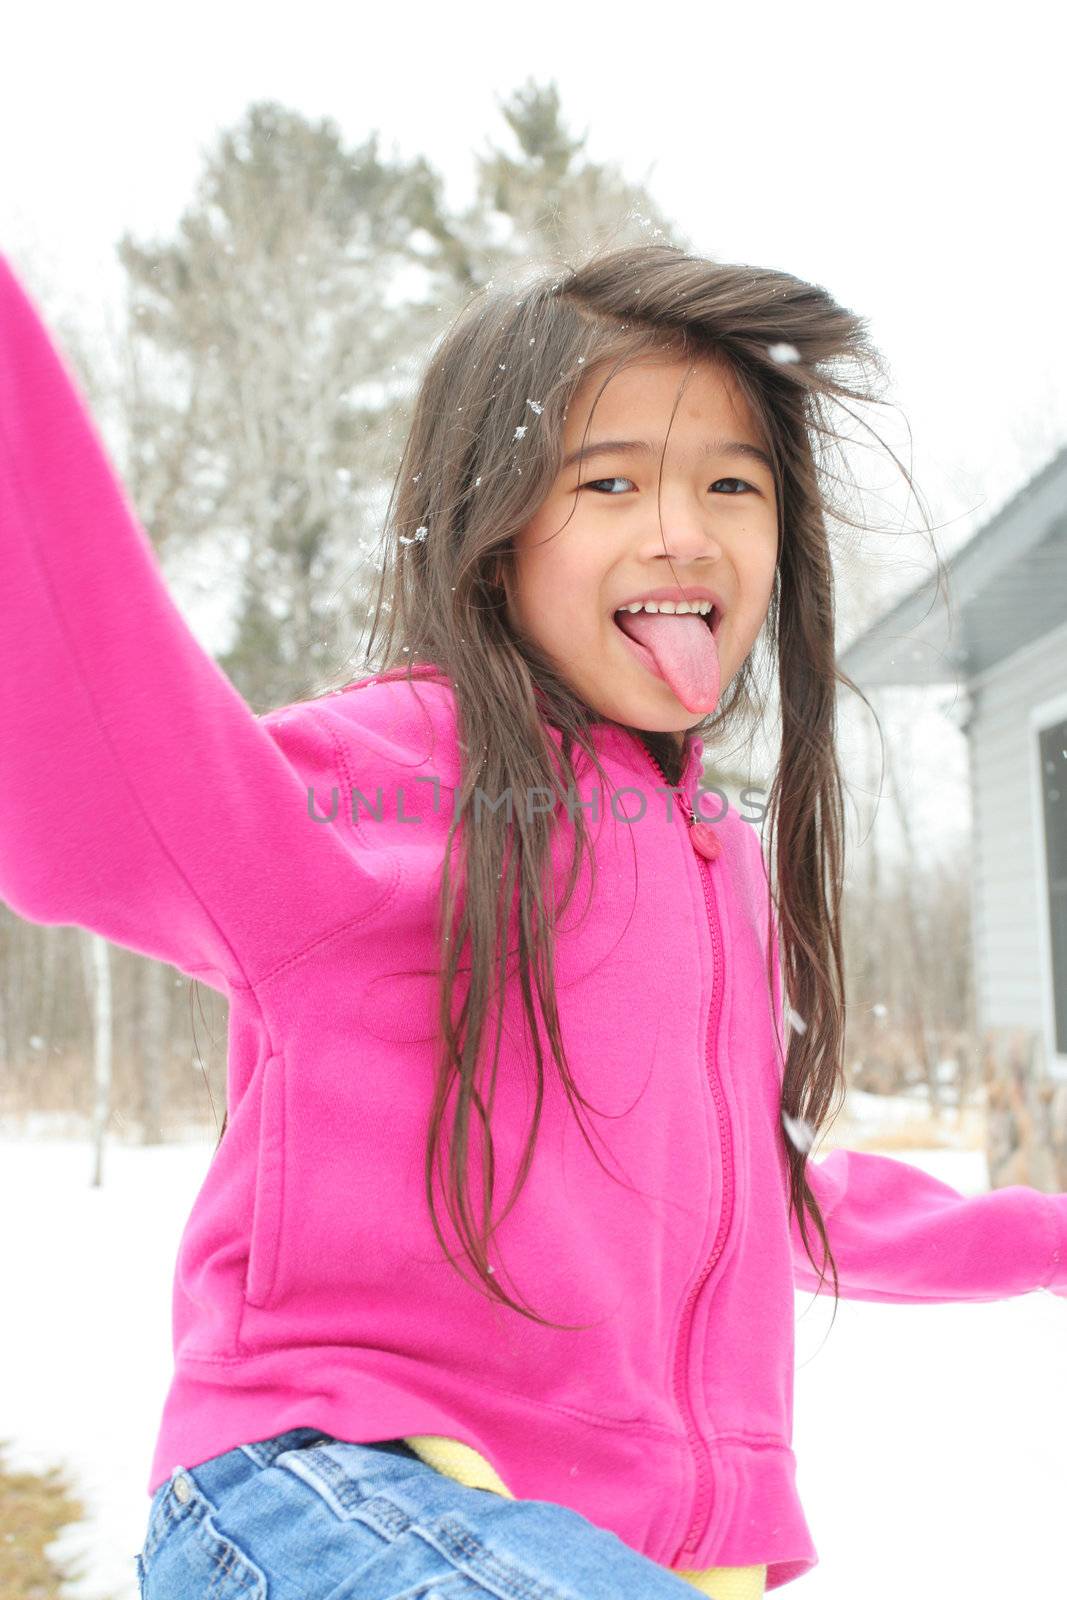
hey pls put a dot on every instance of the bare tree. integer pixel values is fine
(97, 970)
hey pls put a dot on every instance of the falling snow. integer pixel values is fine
(783, 352)
(519, 432)
(533, 405)
(879, 1009)
(420, 533)
(801, 1133)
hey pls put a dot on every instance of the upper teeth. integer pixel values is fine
(700, 606)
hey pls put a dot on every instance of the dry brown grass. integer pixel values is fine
(920, 1132)
(34, 1509)
(909, 1136)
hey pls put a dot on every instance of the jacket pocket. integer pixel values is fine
(267, 1206)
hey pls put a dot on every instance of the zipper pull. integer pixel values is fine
(705, 839)
(703, 836)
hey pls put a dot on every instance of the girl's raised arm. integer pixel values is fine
(139, 795)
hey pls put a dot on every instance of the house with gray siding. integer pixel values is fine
(1000, 635)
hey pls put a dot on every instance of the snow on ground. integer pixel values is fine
(931, 1440)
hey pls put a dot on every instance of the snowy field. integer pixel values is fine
(932, 1440)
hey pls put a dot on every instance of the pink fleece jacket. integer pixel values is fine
(141, 798)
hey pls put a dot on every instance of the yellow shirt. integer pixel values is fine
(456, 1460)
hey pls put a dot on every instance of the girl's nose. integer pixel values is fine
(684, 528)
(688, 539)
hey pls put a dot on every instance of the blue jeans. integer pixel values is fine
(304, 1516)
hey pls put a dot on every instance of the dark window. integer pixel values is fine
(1053, 742)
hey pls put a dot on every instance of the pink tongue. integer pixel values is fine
(684, 650)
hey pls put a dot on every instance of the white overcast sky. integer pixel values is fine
(907, 157)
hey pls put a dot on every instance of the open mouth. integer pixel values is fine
(713, 620)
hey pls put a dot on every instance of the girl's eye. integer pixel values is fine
(593, 482)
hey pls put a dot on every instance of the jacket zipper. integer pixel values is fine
(702, 1502)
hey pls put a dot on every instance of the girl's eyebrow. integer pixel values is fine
(712, 447)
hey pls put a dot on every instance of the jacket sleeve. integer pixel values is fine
(139, 795)
(897, 1234)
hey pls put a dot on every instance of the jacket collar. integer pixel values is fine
(610, 739)
(618, 744)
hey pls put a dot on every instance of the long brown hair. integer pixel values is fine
(483, 450)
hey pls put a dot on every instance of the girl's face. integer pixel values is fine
(719, 530)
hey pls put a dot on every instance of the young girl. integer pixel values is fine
(489, 1287)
